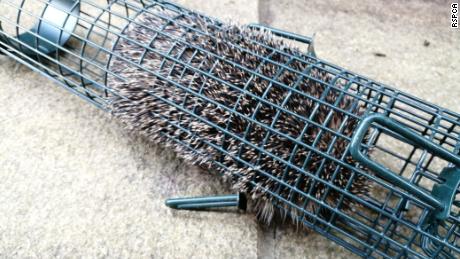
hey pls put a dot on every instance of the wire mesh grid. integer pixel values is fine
(389, 221)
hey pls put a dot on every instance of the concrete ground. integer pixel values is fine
(74, 184)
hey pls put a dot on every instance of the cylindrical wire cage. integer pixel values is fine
(411, 210)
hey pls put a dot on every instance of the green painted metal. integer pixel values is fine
(442, 195)
(47, 35)
(445, 193)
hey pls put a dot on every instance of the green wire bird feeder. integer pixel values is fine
(412, 208)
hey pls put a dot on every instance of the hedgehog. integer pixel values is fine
(232, 99)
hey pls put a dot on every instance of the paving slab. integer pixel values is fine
(406, 44)
(75, 184)
(240, 11)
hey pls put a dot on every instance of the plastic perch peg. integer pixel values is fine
(198, 203)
